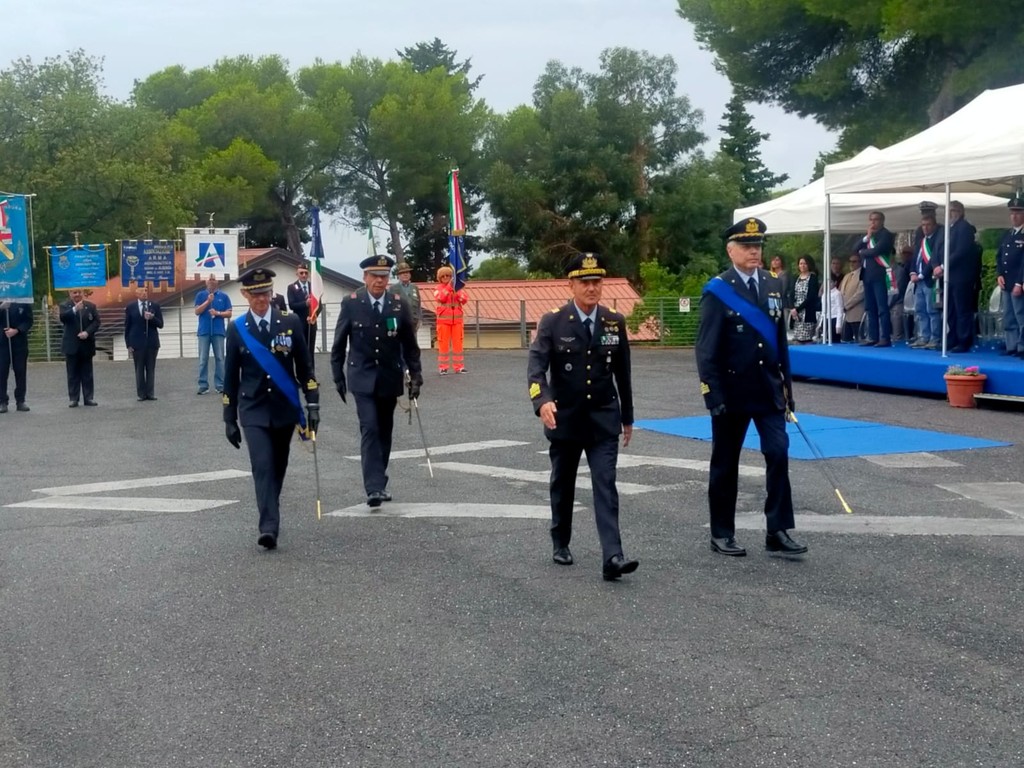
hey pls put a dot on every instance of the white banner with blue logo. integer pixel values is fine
(15, 251)
(211, 252)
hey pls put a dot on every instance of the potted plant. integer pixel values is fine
(962, 384)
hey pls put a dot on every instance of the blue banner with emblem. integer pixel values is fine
(147, 261)
(78, 266)
(15, 251)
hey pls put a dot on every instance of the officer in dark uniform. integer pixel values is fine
(585, 405)
(266, 362)
(376, 327)
(17, 320)
(1010, 271)
(81, 320)
(298, 302)
(743, 362)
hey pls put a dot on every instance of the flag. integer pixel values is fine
(316, 277)
(15, 250)
(456, 232)
(371, 247)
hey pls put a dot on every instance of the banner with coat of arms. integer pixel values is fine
(211, 252)
(78, 266)
(15, 251)
(147, 261)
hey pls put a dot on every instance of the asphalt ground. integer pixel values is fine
(133, 636)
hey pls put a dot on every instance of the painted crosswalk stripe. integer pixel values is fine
(143, 482)
(395, 509)
(445, 450)
(539, 476)
(888, 526)
(1008, 497)
(122, 503)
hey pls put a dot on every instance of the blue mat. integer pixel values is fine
(835, 438)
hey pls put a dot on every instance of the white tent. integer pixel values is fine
(978, 148)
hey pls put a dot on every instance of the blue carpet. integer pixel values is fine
(835, 438)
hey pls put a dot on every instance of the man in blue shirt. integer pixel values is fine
(213, 308)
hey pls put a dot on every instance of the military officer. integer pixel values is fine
(584, 403)
(17, 321)
(298, 302)
(266, 363)
(743, 362)
(81, 320)
(377, 329)
(410, 293)
(1010, 271)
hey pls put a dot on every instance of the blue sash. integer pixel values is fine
(281, 378)
(758, 320)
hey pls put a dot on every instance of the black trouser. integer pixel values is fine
(727, 434)
(268, 456)
(80, 381)
(145, 371)
(960, 317)
(602, 456)
(13, 355)
(376, 423)
(311, 343)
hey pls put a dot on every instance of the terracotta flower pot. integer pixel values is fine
(960, 390)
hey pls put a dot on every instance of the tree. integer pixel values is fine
(876, 70)
(743, 144)
(500, 268)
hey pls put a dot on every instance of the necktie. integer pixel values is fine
(376, 306)
(263, 327)
(586, 327)
(305, 289)
(752, 288)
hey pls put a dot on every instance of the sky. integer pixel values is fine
(508, 43)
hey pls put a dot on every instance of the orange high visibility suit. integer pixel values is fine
(450, 329)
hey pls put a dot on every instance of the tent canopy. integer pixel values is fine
(977, 149)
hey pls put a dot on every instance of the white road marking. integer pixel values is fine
(531, 476)
(396, 509)
(444, 450)
(697, 465)
(143, 482)
(122, 504)
(1008, 497)
(902, 526)
(919, 460)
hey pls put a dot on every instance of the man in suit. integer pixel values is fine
(266, 364)
(926, 269)
(877, 250)
(298, 302)
(964, 277)
(743, 362)
(142, 323)
(81, 320)
(1010, 275)
(376, 328)
(585, 403)
(17, 320)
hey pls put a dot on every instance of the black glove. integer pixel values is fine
(414, 387)
(791, 406)
(233, 433)
(342, 389)
(312, 417)
(718, 410)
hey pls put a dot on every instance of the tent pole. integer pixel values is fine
(945, 278)
(826, 269)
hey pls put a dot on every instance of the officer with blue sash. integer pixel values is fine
(266, 363)
(743, 362)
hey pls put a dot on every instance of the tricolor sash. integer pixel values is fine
(283, 380)
(890, 277)
(758, 320)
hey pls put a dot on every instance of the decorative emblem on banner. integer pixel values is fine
(212, 252)
(15, 263)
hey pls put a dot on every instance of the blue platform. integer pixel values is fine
(902, 368)
(835, 438)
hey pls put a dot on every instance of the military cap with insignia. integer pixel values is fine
(304, 264)
(377, 265)
(403, 266)
(585, 266)
(927, 206)
(749, 231)
(259, 280)
(1016, 203)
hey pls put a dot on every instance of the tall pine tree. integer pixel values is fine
(743, 144)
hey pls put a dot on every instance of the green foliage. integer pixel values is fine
(743, 144)
(500, 268)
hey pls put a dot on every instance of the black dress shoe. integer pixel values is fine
(618, 565)
(885, 343)
(150, 397)
(780, 541)
(374, 499)
(141, 399)
(1006, 353)
(267, 541)
(385, 496)
(562, 556)
(727, 546)
(23, 408)
(868, 343)
(73, 404)
(91, 402)
(3, 407)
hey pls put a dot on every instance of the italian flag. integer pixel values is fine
(316, 277)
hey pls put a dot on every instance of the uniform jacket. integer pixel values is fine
(298, 301)
(17, 316)
(1010, 260)
(591, 384)
(871, 270)
(736, 365)
(250, 397)
(87, 320)
(411, 294)
(449, 303)
(138, 334)
(378, 345)
(937, 246)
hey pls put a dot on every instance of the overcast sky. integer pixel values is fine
(509, 43)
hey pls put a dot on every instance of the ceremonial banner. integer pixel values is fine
(78, 266)
(147, 261)
(211, 252)
(316, 277)
(456, 232)
(15, 253)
